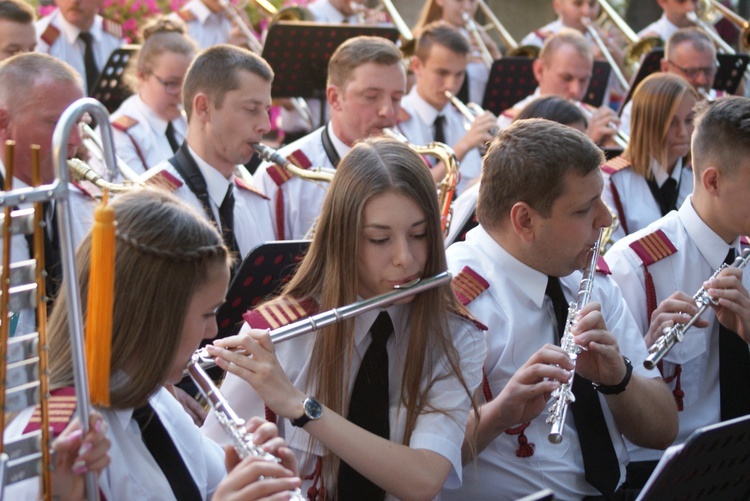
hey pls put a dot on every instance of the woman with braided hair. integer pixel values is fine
(171, 275)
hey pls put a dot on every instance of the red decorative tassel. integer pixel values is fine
(270, 415)
(679, 395)
(525, 448)
(314, 491)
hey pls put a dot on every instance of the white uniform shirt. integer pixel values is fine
(70, 49)
(303, 199)
(252, 219)
(506, 117)
(639, 206)
(207, 28)
(662, 28)
(149, 134)
(521, 321)
(440, 432)
(537, 37)
(700, 252)
(419, 129)
(133, 472)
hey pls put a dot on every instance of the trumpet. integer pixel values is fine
(563, 396)
(316, 174)
(676, 333)
(470, 112)
(616, 71)
(445, 154)
(476, 36)
(335, 315)
(93, 145)
(514, 49)
(620, 138)
(709, 8)
(233, 425)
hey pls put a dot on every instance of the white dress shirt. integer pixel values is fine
(700, 251)
(252, 218)
(303, 199)
(522, 320)
(207, 28)
(639, 206)
(441, 432)
(148, 136)
(133, 472)
(70, 48)
(420, 130)
(662, 28)
(506, 118)
(537, 37)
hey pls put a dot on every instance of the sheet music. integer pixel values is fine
(666, 459)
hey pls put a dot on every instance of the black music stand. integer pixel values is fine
(650, 64)
(110, 89)
(713, 463)
(260, 276)
(299, 53)
(512, 79)
(731, 70)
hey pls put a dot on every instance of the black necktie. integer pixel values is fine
(734, 370)
(92, 71)
(440, 129)
(602, 468)
(52, 259)
(369, 408)
(162, 449)
(226, 216)
(171, 138)
(666, 195)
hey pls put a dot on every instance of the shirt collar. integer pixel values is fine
(341, 148)
(216, 183)
(71, 32)
(660, 173)
(157, 124)
(507, 266)
(711, 246)
(399, 317)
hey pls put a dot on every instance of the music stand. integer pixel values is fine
(713, 463)
(650, 64)
(598, 85)
(110, 89)
(731, 70)
(260, 276)
(299, 53)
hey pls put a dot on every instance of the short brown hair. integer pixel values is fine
(440, 33)
(17, 11)
(214, 72)
(357, 51)
(527, 162)
(566, 36)
(722, 134)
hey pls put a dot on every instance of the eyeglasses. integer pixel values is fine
(708, 71)
(170, 87)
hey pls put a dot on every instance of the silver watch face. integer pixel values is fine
(313, 409)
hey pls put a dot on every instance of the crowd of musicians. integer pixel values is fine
(445, 394)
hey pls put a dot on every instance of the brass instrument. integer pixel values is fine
(616, 71)
(81, 171)
(563, 396)
(620, 138)
(446, 155)
(514, 49)
(93, 145)
(606, 241)
(335, 315)
(470, 112)
(676, 333)
(233, 425)
(708, 7)
(476, 36)
(316, 174)
(636, 48)
(703, 18)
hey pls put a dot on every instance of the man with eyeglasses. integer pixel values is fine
(691, 54)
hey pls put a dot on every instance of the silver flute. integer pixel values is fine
(335, 315)
(675, 334)
(233, 425)
(563, 396)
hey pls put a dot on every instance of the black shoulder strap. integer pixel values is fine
(186, 167)
(331, 152)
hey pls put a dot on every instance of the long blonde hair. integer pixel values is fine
(655, 102)
(164, 253)
(329, 275)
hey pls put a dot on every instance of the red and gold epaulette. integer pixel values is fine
(50, 35)
(616, 165)
(244, 185)
(186, 15)
(163, 179)
(543, 34)
(468, 285)
(89, 189)
(111, 27)
(602, 266)
(653, 247)
(279, 175)
(511, 113)
(744, 240)
(124, 123)
(403, 115)
(279, 312)
(61, 405)
(471, 318)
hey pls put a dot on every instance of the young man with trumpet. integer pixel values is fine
(366, 80)
(226, 96)
(564, 68)
(675, 256)
(427, 114)
(540, 213)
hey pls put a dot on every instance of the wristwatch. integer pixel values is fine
(313, 411)
(618, 388)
